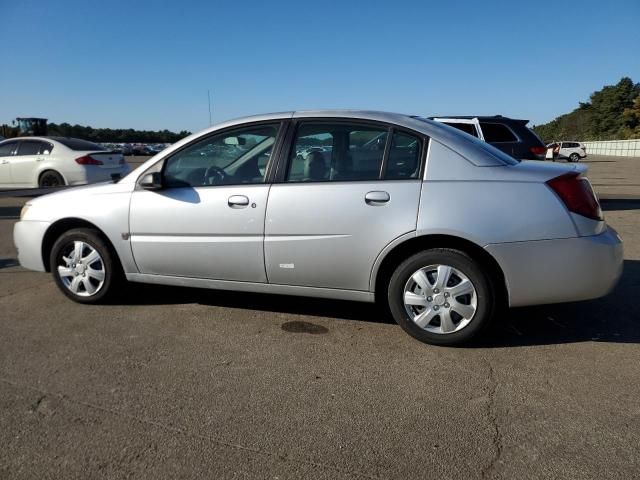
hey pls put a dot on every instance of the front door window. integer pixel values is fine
(234, 158)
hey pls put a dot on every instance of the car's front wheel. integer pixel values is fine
(84, 266)
(574, 157)
(441, 296)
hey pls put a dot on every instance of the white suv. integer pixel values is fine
(573, 151)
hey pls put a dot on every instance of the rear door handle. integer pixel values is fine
(376, 198)
(4, 162)
(238, 201)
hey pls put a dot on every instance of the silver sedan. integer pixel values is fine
(440, 227)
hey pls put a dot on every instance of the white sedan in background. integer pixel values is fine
(30, 162)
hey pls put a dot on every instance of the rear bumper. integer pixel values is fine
(94, 174)
(562, 270)
(27, 237)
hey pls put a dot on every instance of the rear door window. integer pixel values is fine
(497, 133)
(32, 147)
(338, 151)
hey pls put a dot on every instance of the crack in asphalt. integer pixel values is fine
(497, 440)
(186, 433)
(36, 405)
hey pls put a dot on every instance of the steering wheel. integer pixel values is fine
(214, 175)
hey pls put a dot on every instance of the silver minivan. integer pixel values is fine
(436, 225)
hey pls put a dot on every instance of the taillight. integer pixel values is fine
(88, 160)
(576, 193)
(538, 150)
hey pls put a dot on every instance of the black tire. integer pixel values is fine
(574, 157)
(113, 276)
(50, 179)
(486, 299)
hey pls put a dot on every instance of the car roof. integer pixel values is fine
(499, 118)
(462, 143)
(414, 122)
(39, 138)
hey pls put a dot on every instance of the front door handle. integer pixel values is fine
(4, 161)
(376, 198)
(238, 201)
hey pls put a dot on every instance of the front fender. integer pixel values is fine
(104, 206)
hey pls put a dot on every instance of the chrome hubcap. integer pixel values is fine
(440, 299)
(81, 269)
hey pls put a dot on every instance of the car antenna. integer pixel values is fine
(209, 101)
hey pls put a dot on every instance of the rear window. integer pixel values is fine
(496, 132)
(80, 145)
(487, 147)
(469, 128)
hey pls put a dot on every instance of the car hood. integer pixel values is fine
(87, 202)
(83, 192)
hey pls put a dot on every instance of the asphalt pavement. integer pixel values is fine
(186, 383)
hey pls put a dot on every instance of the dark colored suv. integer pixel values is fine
(507, 134)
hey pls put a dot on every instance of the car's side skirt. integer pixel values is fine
(334, 293)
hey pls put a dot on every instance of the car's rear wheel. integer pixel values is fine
(574, 157)
(84, 266)
(50, 179)
(441, 296)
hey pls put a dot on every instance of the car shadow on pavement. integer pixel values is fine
(614, 318)
(611, 204)
(142, 294)
(8, 262)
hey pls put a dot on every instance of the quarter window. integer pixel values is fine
(236, 157)
(496, 132)
(336, 152)
(404, 157)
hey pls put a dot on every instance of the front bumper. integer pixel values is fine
(27, 237)
(562, 270)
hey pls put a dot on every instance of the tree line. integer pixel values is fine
(612, 113)
(115, 135)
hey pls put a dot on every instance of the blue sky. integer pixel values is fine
(148, 65)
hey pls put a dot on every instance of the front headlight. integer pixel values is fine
(23, 212)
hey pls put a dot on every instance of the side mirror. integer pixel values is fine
(151, 181)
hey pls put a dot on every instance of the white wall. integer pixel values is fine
(618, 148)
